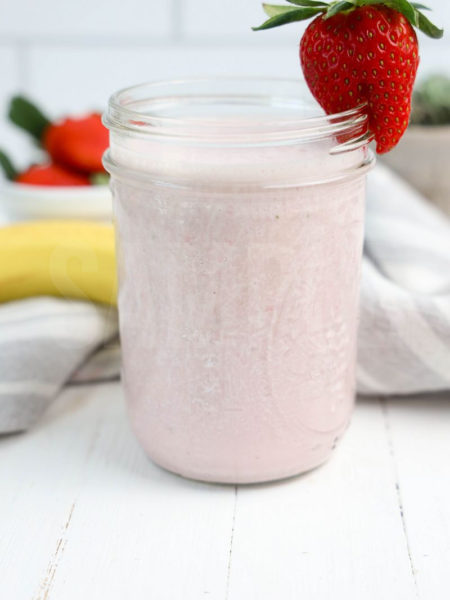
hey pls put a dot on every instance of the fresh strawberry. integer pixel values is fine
(51, 175)
(360, 51)
(75, 143)
(372, 55)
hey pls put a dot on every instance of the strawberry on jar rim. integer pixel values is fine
(360, 51)
(75, 143)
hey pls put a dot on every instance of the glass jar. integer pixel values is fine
(239, 217)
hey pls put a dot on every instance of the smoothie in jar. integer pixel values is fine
(239, 216)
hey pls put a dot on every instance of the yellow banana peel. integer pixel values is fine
(71, 259)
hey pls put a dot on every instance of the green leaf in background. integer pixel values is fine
(27, 116)
(296, 14)
(427, 27)
(431, 101)
(8, 168)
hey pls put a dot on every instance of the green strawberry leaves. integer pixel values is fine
(26, 115)
(410, 10)
(402, 6)
(428, 28)
(283, 14)
(272, 10)
(336, 7)
(8, 168)
(313, 3)
(289, 16)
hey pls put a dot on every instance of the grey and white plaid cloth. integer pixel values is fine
(404, 335)
(44, 344)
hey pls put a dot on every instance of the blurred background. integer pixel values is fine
(70, 56)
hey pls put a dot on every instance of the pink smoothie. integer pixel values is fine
(238, 305)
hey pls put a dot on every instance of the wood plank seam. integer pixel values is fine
(384, 410)
(233, 524)
(47, 582)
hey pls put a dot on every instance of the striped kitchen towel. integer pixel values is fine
(404, 334)
(44, 342)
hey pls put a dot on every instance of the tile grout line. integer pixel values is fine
(233, 523)
(177, 20)
(23, 62)
(123, 40)
(176, 40)
(384, 410)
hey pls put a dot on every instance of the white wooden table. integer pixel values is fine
(84, 515)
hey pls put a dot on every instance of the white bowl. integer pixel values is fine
(19, 201)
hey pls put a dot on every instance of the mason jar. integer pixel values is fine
(238, 209)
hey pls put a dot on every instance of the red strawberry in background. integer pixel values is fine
(46, 174)
(74, 143)
(360, 51)
(77, 143)
(51, 175)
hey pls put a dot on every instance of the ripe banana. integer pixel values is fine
(73, 259)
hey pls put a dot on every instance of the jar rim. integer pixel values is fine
(139, 110)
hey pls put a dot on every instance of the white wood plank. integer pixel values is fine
(335, 532)
(40, 475)
(420, 434)
(133, 525)
(84, 514)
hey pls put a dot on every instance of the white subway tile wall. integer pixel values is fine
(44, 20)
(70, 56)
(11, 81)
(116, 67)
(232, 19)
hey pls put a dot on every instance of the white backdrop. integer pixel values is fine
(70, 55)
